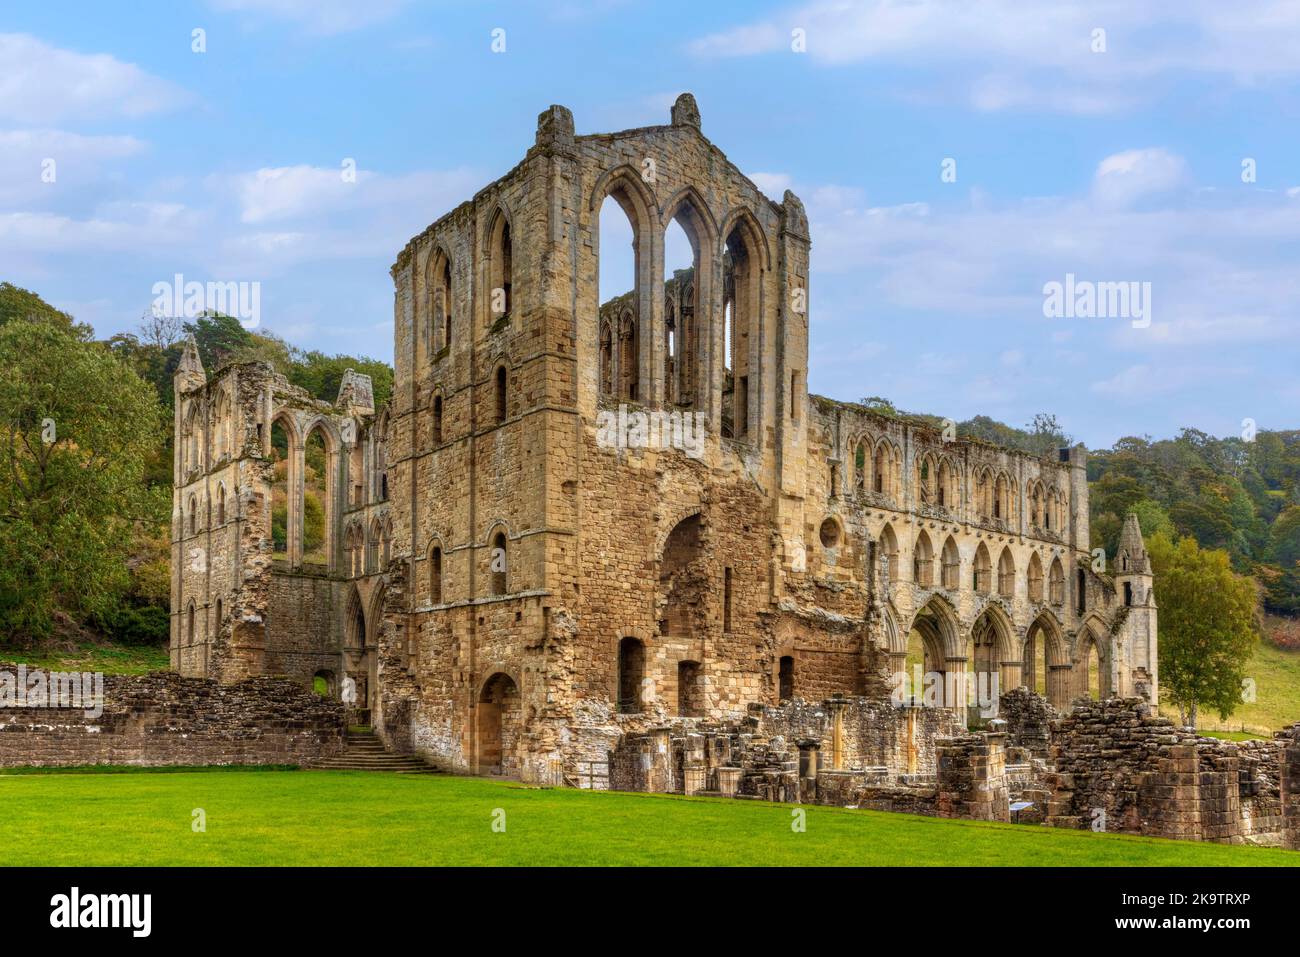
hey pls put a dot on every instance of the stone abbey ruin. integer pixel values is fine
(819, 603)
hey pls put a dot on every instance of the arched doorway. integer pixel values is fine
(994, 665)
(1046, 665)
(497, 726)
(1092, 665)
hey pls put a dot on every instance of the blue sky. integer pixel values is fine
(1122, 164)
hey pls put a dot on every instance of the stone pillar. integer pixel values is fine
(954, 691)
(809, 753)
(837, 733)
(1011, 676)
(1058, 685)
(1290, 775)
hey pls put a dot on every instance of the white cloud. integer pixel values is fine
(41, 84)
(1126, 177)
(1036, 54)
(77, 160)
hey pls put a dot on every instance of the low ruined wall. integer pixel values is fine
(164, 719)
(1119, 768)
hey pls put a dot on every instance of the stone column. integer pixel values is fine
(1290, 775)
(837, 733)
(954, 691)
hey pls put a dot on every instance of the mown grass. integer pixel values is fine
(366, 818)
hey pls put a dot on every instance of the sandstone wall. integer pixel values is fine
(165, 719)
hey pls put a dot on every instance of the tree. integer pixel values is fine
(76, 430)
(21, 304)
(1208, 626)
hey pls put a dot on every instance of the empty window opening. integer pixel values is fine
(631, 675)
(690, 702)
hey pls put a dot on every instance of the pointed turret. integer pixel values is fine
(1138, 635)
(1131, 559)
(189, 374)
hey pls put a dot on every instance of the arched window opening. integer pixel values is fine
(1128, 593)
(500, 271)
(983, 569)
(951, 565)
(619, 294)
(194, 515)
(606, 358)
(221, 503)
(860, 467)
(629, 352)
(501, 403)
(387, 544)
(498, 564)
(190, 622)
(681, 271)
(923, 561)
(1035, 578)
(1081, 594)
(889, 553)
(279, 454)
(925, 482)
(943, 492)
(437, 420)
(435, 576)
(1056, 583)
(785, 678)
(315, 499)
(740, 267)
(439, 284)
(1006, 574)
(690, 703)
(631, 675)
(372, 547)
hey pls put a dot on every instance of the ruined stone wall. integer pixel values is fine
(165, 719)
(1118, 768)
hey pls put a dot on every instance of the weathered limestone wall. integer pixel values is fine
(1119, 768)
(165, 719)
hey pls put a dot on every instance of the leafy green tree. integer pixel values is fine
(77, 428)
(1208, 626)
(21, 304)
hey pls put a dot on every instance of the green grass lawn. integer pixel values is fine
(88, 656)
(358, 817)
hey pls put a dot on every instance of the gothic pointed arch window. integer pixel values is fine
(500, 270)
(502, 408)
(923, 561)
(1056, 583)
(1006, 574)
(435, 575)
(436, 428)
(606, 358)
(629, 351)
(221, 503)
(498, 564)
(1035, 578)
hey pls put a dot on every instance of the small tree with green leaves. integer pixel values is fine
(1208, 626)
(77, 427)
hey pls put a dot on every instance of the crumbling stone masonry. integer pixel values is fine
(163, 718)
(509, 591)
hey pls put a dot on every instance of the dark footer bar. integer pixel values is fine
(331, 906)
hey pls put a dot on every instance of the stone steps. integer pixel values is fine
(365, 752)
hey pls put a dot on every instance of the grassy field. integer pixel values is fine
(108, 659)
(1277, 695)
(360, 818)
